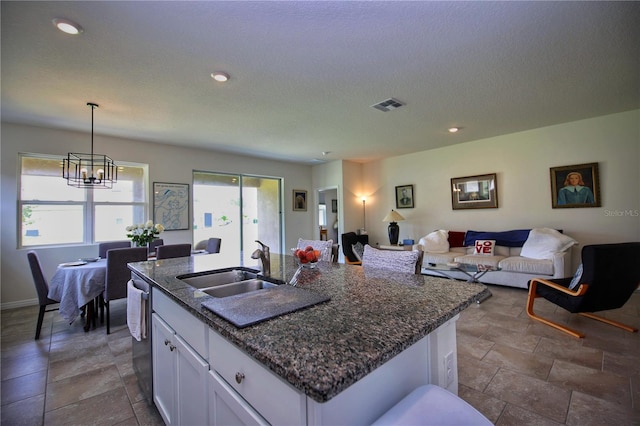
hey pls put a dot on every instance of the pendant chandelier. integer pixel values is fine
(89, 170)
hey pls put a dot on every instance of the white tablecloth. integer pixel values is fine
(75, 286)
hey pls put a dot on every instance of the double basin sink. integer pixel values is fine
(227, 282)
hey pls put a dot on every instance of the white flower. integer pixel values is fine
(149, 224)
(159, 227)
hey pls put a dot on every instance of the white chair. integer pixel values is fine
(400, 261)
(325, 247)
(432, 405)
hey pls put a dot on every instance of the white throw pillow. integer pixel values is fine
(576, 278)
(436, 242)
(484, 247)
(543, 243)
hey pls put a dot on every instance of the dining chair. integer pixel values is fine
(153, 245)
(169, 251)
(118, 274)
(213, 245)
(104, 247)
(201, 245)
(400, 261)
(42, 288)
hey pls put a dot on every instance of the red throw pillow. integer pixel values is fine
(484, 247)
(456, 239)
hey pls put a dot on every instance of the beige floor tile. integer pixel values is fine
(515, 339)
(489, 406)
(608, 386)
(147, 415)
(82, 386)
(107, 408)
(473, 346)
(84, 360)
(586, 410)
(474, 373)
(516, 416)
(26, 412)
(16, 367)
(570, 350)
(538, 396)
(513, 359)
(23, 387)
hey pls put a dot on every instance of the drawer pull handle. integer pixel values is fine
(239, 377)
(171, 347)
(166, 342)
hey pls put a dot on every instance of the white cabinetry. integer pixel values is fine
(276, 401)
(179, 371)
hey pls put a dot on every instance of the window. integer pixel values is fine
(239, 209)
(51, 212)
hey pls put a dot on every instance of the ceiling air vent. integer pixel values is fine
(388, 105)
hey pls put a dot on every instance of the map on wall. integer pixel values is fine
(171, 205)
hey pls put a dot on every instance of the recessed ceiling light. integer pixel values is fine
(454, 129)
(67, 26)
(220, 76)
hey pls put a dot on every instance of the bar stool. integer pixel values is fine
(323, 234)
(432, 405)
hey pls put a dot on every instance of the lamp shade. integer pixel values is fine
(394, 216)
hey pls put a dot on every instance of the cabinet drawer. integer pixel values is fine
(191, 329)
(277, 401)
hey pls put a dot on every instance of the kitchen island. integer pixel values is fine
(350, 359)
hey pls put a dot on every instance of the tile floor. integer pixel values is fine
(512, 370)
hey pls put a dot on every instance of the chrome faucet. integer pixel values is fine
(265, 258)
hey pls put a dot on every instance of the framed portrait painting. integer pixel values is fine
(171, 205)
(404, 197)
(575, 186)
(299, 200)
(474, 192)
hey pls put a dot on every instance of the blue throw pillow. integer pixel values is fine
(515, 238)
(575, 281)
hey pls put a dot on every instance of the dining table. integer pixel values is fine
(76, 285)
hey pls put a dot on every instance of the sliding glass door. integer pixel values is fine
(239, 209)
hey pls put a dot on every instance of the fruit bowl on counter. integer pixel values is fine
(307, 257)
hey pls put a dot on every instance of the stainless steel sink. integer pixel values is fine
(217, 278)
(226, 290)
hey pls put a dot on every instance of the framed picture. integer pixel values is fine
(299, 200)
(334, 206)
(171, 205)
(404, 197)
(575, 186)
(474, 192)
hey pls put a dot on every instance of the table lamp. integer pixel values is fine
(394, 229)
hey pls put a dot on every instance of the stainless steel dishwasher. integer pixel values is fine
(141, 350)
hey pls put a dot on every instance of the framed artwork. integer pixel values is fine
(474, 192)
(171, 205)
(299, 200)
(334, 206)
(575, 186)
(404, 197)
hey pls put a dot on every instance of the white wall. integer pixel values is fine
(521, 161)
(166, 164)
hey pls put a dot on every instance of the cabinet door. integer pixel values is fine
(192, 395)
(227, 407)
(164, 370)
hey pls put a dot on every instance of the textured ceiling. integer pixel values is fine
(305, 74)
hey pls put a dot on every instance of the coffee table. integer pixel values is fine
(473, 272)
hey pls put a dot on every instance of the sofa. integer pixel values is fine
(520, 254)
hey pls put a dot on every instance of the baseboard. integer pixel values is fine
(19, 304)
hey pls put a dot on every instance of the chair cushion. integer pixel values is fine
(401, 261)
(474, 259)
(544, 242)
(526, 265)
(440, 257)
(358, 250)
(435, 242)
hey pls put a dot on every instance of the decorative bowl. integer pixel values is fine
(306, 257)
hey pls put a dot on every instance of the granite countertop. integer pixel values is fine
(372, 316)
